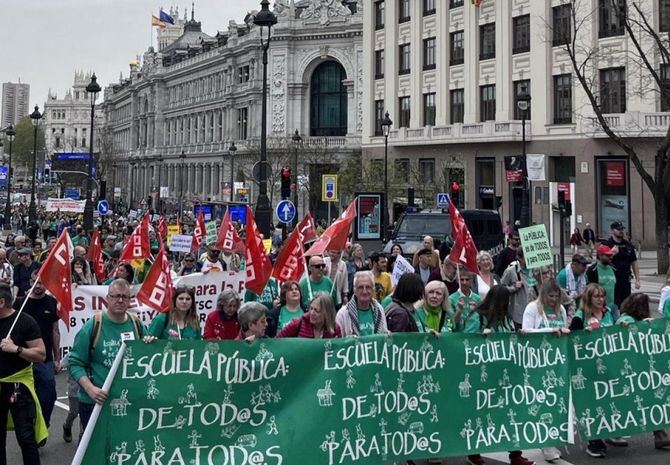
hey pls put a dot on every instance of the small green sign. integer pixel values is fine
(536, 248)
(212, 233)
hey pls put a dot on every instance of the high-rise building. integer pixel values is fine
(15, 102)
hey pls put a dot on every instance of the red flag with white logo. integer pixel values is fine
(290, 264)
(259, 267)
(94, 255)
(335, 237)
(56, 275)
(464, 249)
(307, 228)
(228, 239)
(156, 291)
(162, 226)
(138, 246)
(199, 231)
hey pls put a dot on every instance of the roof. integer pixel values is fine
(191, 38)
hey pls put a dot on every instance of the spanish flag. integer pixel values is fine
(157, 22)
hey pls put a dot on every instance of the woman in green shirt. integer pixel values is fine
(290, 301)
(181, 322)
(434, 312)
(592, 313)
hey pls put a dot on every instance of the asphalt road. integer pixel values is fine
(640, 451)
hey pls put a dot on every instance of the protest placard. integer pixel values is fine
(65, 205)
(211, 231)
(536, 248)
(171, 231)
(401, 267)
(181, 243)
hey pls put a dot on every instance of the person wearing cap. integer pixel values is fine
(212, 260)
(427, 243)
(572, 278)
(188, 265)
(424, 267)
(602, 272)
(624, 260)
(23, 270)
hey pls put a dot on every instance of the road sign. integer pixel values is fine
(442, 199)
(285, 211)
(329, 191)
(256, 171)
(103, 207)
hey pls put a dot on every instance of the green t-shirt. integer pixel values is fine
(366, 322)
(473, 297)
(270, 293)
(666, 308)
(607, 280)
(606, 320)
(562, 279)
(388, 300)
(325, 285)
(286, 316)
(625, 318)
(423, 321)
(169, 331)
(98, 362)
(554, 319)
(475, 324)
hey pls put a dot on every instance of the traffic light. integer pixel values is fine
(47, 175)
(285, 183)
(455, 193)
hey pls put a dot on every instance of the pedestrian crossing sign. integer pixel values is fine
(442, 199)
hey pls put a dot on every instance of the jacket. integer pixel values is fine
(347, 318)
(399, 319)
(519, 298)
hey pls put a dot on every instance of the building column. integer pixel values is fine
(471, 54)
(503, 62)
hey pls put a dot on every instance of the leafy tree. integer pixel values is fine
(23, 145)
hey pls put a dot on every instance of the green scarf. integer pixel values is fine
(25, 377)
(432, 316)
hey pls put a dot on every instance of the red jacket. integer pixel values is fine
(217, 328)
(302, 327)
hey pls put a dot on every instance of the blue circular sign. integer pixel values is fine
(285, 211)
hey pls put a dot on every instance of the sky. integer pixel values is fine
(44, 42)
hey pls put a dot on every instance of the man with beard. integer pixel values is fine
(624, 260)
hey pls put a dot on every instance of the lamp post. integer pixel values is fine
(523, 103)
(11, 133)
(386, 124)
(132, 183)
(231, 151)
(35, 117)
(92, 88)
(296, 143)
(159, 160)
(114, 186)
(182, 157)
(264, 18)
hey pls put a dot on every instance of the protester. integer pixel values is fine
(123, 271)
(508, 254)
(447, 275)
(464, 300)
(253, 321)
(223, 322)
(212, 260)
(624, 260)
(81, 275)
(336, 270)
(434, 312)
(540, 276)
(602, 272)
(181, 322)
(363, 315)
(317, 323)
(424, 268)
(572, 278)
(401, 316)
(663, 299)
(355, 264)
(486, 278)
(576, 240)
(427, 243)
(289, 308)
(592, 312)
(23, 271)
(315, 281)
(6, 270)
(589, 237)
(383, 282)
(517, 279)
(188, 265)
(72, 400)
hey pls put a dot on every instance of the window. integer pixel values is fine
(401, 169)
(429, 109)
(57, 142)
(519, 87)
(429, 53)
(613, 90)
(428, 7)
(243, 74)
(563, 99)
(664, 14)
(404, 11)
(665, 87)
(611, 16)
(379, 15)
(521, 34)
(456, 48)
(328, 100)
(404, 105)
(379, 64)
(487, 41)
(404, 59)
(487, 102)
(562, 24)
(427, 170)
(455, 3)
(379, 115)
(457, 109)
(242, 123)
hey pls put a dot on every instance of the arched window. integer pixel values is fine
(328, 104)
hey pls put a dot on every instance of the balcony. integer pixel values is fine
(488, 131)
(630, 124)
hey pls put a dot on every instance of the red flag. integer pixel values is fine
(162, 226)
(258, 264)
(290, 264)
(464, 249)
(157, 289)
(138, 246)
(94, 255)
(307, 228)
(335, 237)
(56, 275)
(199, 231)
(229, 240)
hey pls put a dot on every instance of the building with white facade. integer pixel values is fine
(15, 102)
(449, 73)
(171, 32)
(173, 120)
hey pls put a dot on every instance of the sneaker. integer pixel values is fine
(551, 454)
(475, 460)
(520, 461)
(617, 442)
(67, 434)
(596, 448)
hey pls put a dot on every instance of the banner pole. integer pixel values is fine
(22, 306)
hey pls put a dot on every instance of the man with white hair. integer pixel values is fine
(363, 315)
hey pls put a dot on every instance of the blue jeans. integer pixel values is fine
(45, 386)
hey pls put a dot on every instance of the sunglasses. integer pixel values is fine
(320, 265)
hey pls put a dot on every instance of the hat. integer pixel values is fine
(424, 252)
(24, 251)
(617, 225)
(581, 259)
(602, 249)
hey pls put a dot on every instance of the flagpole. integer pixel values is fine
(22, 306)
(309, 283)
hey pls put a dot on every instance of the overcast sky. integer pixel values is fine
(43, 42)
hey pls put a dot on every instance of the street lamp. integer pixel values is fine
(35, 117)
(523, 103)
(11, 133)
(386, 124)
(159, 160)
(92, 88)
(264, 18)
(231, 151)
(296, 142)
(113, 186)
(132, 183)
(180, 214)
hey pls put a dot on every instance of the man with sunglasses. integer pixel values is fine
(316, 281)
(212, 260)
(188, 265)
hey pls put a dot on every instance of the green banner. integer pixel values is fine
(211, 232)
(621, 379)
(536, 248)
(368, 400)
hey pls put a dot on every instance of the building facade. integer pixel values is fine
(450, 72)
(174, 119)
(15, 102)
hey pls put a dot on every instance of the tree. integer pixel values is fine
(646, 44)
(23, 145)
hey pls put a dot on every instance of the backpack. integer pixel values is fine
(97, 329)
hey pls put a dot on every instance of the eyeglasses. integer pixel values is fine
(189, 260)
(118, 297)
(320, 265)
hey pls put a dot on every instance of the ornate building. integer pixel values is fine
(173, 120)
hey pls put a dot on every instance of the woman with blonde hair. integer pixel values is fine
(486, 278)
(434, 312)
(592, 313)
(546, 312)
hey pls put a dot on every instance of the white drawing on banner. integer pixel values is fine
(194, 436)
(120, 405)
(578, 379)
(404, 418)
(168, 348)
(229, 431)
(640, 407)
(600, 366)
(467, 429)
(586, 417)
(561, 406)
(401, 383)
(667, 401)
(377, 386)
(478, 424)
(489, 421)
(227, 394)
(191, 396)
(627, 368)
(483, 375)
(466, 345)
(546, 345)
(547, 418)
(373, 410)
(264, 355)
(633, 329)
(265, 396)
(152, 390)
(427, 346)
(117, 451)
(158, 445)
(513, 339)
(614, 409)
(360, 436)
(504, 381)
(600, 412)
(128, 353)
(652, 364)
(328, 346)
(534, 409)
(465, 386)
(428, 386)
(660, 393)
(551, 380)
(325, 395)
(247, 440)
(329, 443)
(433, 414)
(212, 348)
(526, 377)
(345, 435)
(180, 422)
(382, 426)
(351, 381)
(139, 447)
(511, 414)
(272, 426)
(416, 428)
